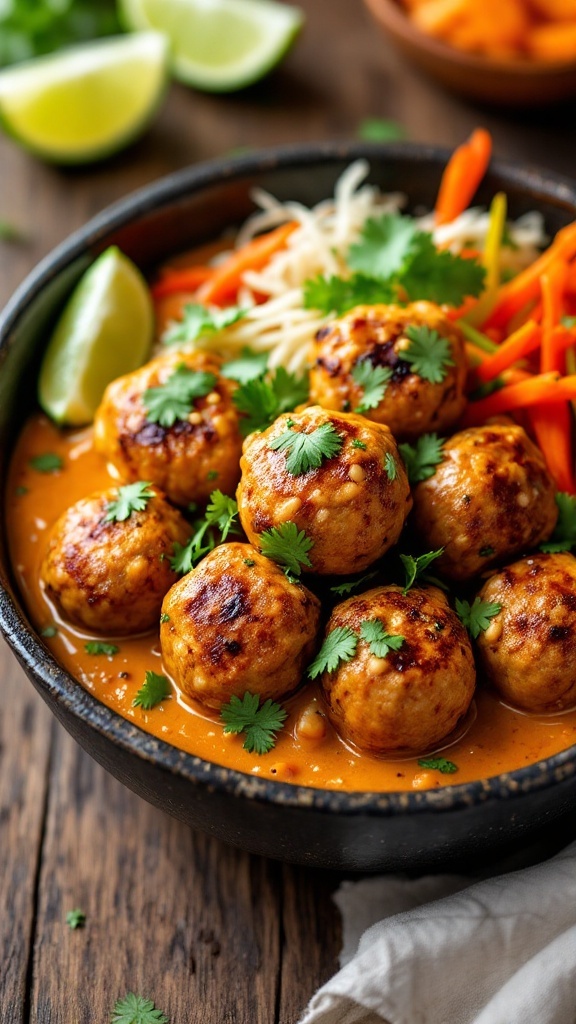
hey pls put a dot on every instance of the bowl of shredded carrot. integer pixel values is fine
(517, 53)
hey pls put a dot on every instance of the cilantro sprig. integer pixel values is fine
(339, 645)
(338, 294)
(97, 647)
(131, 498)
(307, 451)
(373, 380)
(439, 764)
(221, 513)
(259, 723)
(262, 399)
(133, 1009)
(198, 321)
(248, 366)
(174, 400)
(47, 462)
(154, 690)
(422, 457)
(288, 547)
(415, 569)
(564, 536)
(428, 353)
(379, 641)
(75, 918)
(476, 617)
(343, 589)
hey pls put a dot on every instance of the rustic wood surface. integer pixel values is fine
(213, 935)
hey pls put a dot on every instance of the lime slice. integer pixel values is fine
(105, 330)
(88, 101)
(219, 45)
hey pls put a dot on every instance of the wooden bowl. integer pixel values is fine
(504, 83)
(360, 831)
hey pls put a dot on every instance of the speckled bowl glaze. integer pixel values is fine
(348, 831)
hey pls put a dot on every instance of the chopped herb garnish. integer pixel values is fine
(48, 462)
(339, 645)
(390, 466)
(137, 1010)
(154, 690)
(221, 513)
(248, 366)
(259, 723)
(288, 547)
(75, 919)
(261, 401)
(131, 498)
(249, 562)
(359, 444)
(564, 536)
(164, 617)
(174, 400)
(415, 569)
(379, 641)
(422, 457)
(212, 474)
(338, 295)
(441, 277)
(20, 491)
(342, 589)
(428, 353)
(373, 380)
(476, 617)
(486, 552)
(439, 764)
(385, 244)
(198, 320)
(49, 631)
(97, 647)
(308, 451)
(378, 129)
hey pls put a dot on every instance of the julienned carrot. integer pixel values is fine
(542, 387)
(227, 278)
(552, 426)
(516, 347)
(462, 175)
(188, 279)
(552, 284)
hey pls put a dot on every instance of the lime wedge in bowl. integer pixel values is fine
(105, 330)
(219, 45)
(88, 101)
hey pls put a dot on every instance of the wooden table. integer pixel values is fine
(212, 934)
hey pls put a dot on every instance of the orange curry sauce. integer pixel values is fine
(498, 740)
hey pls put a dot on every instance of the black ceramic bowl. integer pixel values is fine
(351, 831)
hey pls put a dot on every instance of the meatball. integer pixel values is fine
(379, 336)
(237, 624)
(110, 576)
(491, 497)
(352, 506)
(528, 651)
(201, 448)
(413, 697)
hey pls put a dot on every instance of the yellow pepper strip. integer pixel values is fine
(491, 260)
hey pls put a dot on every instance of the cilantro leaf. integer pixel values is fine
(76, 919)
(155, 689)
(428, 353)
(259, 723)
(198, 320)
(131, 498)
(476, 617)
(186, 556)
(415, 568)
(48, 462)
(174, 399)
(338, 294)
(137, 1010)
(29, 28)
(359, 444)
(378, 129)
(248, 366)
(287, 546)
(262, 401)
(390, 467)
(308, 451)
(290, 389)
(221, 513)
(441, 277)
(385, 244)
(339, 645)
(379, 641)
(49, 631)
(422, 458)
(373, 380)
(342, 589)
(564, 536)
(440, 764)
(97, 647)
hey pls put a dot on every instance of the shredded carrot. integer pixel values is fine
(223, 286)
(539, 388)
(462, 175)
(552, 427)
(187, 279)
(552, 283)
(517, 346)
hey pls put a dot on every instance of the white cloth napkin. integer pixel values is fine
(500, 951)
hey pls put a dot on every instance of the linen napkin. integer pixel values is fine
(499, 951)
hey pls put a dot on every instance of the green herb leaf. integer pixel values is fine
(76, 919)
(137, 1010)
(198, 321)
(308, 451)
(249, 562)
(339, 645)
(131, 498)
(338, 294)
(97, 647)
(476, 617)
(175, 399)
(262, 401)
(287, 546)
(20, 491)
(373, 380)
(248, 366)
(48, 462)
(564, 536)
(428, 354)
(155, 689)
(9, 233)
(220, 514)
(390, 467)
(568, 321)
(441, 277)
(440, 764)
(49, 631)
(422, 458)
(164, 617)
(29, 28)
(259, 723)
(379, 641)
(378, 129)
(385, 244)
(342, 589)
(359, 444)
(415, 568)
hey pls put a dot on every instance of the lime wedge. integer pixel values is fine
(105, 330)
(87, 101)
(219, 45)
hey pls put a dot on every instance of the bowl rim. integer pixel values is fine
(58, 685)
(397, 20)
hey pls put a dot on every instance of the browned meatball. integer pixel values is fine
(188, 459)
(352, 507)
(491, 497)
(528, 651)
(412, 698)
(377, 336)
(236, 624)
(111, 576)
